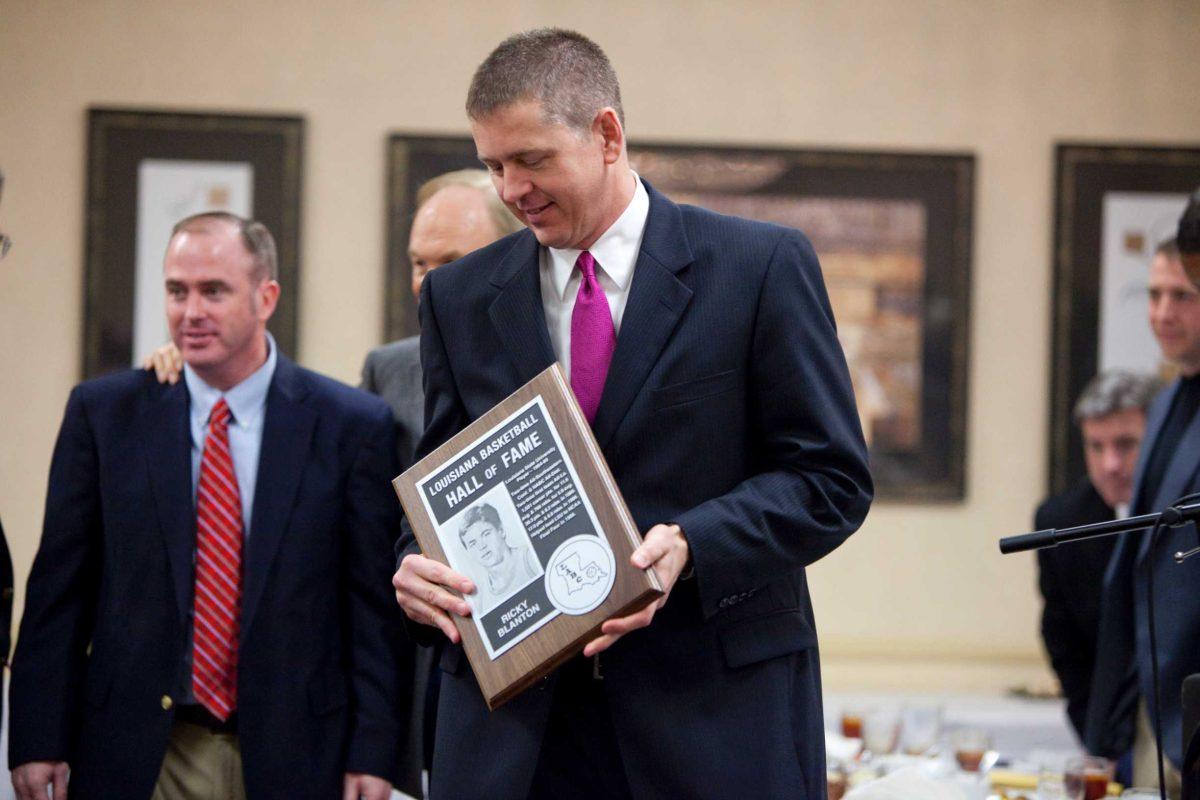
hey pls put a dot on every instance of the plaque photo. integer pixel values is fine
(522, 503)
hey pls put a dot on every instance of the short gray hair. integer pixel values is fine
(1115, 390)
(479, 179)
(564, 70)
(257, 240)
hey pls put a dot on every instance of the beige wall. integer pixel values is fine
(920, 598)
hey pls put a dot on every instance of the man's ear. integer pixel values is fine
(268, 298)
(607, 127)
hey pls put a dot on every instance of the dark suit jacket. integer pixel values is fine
(1071, 579)
(393, 371)
(102, 641)
(1120, 679)
(727, 410)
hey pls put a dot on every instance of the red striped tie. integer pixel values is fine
(218, 572)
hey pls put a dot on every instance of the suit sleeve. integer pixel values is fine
(444, 417)
(372, 518)
(367, 381)
(811, 487)
(61, 595)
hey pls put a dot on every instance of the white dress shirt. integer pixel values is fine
(616, 253)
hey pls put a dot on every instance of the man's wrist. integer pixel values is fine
(689, 567)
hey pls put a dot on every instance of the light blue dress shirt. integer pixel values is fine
(248, 403)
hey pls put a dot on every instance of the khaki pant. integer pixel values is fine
(1145, 771)
(200, 765)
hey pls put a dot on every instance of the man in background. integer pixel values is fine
(457, 212)
(1111, 414)
(1121, 713)
(208, 612)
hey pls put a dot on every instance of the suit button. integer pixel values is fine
(167, 702)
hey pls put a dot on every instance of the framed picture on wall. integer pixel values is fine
(1114, 204)
(149, 169)
(893, 232)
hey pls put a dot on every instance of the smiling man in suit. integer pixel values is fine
(703, 351)
(1121, 714)
(208, 613)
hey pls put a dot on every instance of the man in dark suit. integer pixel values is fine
(1111, 414)
(1121, 713)
(208, 613)
(703, 351)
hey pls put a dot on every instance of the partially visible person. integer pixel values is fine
(208, 613)
(1121, 713)
(457, 213)
(6, 569)
(506, 567)
(1111, 414)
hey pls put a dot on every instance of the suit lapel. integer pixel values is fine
(1155, 419)
(287, 432)
(1181, 468)
(169, 458)
(517, 312)
(656, 301)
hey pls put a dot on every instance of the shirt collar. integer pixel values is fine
(615, 251)
(246, 400)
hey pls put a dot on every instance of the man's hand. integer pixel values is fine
(167, 363)
(421, 590)
(31, 780)
(357, 785)
(664, 548)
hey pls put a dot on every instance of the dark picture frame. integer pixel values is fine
(269, 151)
(919, 204)
(1085, 175)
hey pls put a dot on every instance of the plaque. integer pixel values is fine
(522, 502)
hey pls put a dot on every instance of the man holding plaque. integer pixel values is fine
(702, 350)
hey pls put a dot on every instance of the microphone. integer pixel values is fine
(1188, 239)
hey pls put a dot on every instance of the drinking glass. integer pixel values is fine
(852, 722)
(969, 746)
(919, 728)
(1087, 777)
(881, 728)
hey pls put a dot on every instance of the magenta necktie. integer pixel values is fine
(592, 338)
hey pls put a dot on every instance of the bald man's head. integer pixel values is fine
(454, 221)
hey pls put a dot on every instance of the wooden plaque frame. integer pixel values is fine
(457, 466)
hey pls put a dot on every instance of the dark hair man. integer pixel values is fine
(702, 349)
(1121, 710)
(208, 613)
(1111, 414)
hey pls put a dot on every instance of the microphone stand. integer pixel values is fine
(1183, 511)
(1172, 516)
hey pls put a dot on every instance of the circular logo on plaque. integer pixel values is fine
(580, 574)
